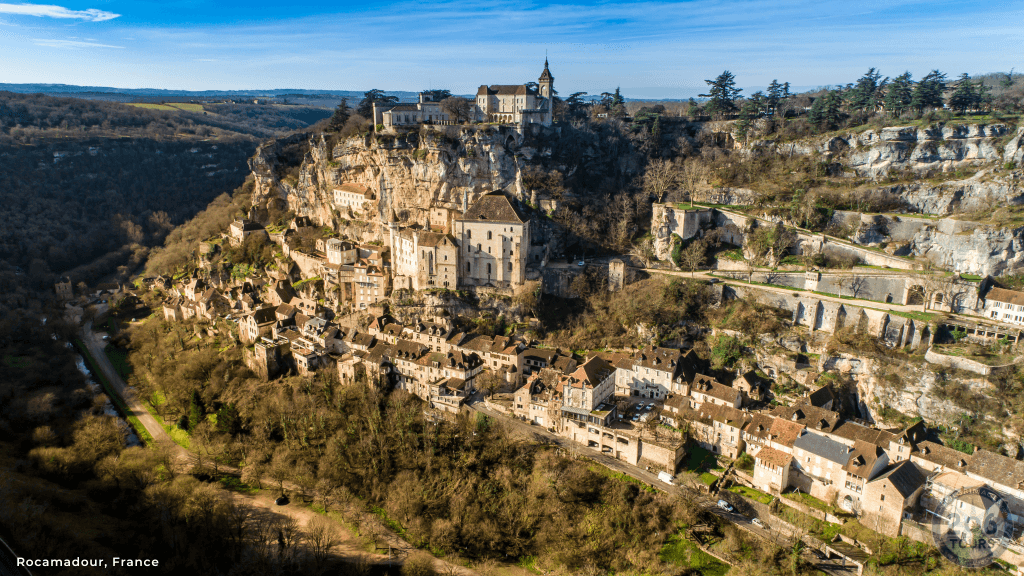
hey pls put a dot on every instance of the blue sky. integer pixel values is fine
(650, 49)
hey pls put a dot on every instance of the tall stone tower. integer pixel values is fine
(546, 81)
(616, 275)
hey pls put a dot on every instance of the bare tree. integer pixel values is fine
(458, 108)
(842, 280)
(320, 537)
(644, 250)
(660, 177)
(693, 175)
(858, 285)
(693, 255)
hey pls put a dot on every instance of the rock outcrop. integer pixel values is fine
(931, 149)
(410, 174)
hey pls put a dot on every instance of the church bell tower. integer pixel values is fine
(546, 81)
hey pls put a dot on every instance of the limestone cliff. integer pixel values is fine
(935, 148)
(411, 175)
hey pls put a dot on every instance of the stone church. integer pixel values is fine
(502, 103)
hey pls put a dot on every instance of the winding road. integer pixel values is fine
(349, 547)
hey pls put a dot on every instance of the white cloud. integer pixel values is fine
(70, 44)
(50, 11)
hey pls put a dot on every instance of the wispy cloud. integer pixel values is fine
(50, 11)
(70, 44)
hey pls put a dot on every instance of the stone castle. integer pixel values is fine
(501, 103)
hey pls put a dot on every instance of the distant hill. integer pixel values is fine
(132, 94)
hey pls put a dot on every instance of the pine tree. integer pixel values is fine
(964, 97)
(748, 112)
(826, 111)
(777, 93)
(723, 93)
(899, 94)
(928, 92)
(864, 94)
(369, 97)
(195, 410)
(340, 116)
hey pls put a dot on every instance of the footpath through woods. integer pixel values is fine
(349, 545)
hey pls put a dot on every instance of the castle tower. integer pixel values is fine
(546, 82)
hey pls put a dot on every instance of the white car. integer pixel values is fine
(757, 522)
(726, 506)
(581, 263)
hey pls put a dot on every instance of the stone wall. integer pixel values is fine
(733, 225)
(667, 219)
(962, 363)
(827, 316)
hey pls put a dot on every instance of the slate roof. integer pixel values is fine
(905, 477)
(431, 239)
(853, 431)
(264, 316)
(759, 426)
(823, 446)
(997, 468)
(1004, 295)
(812, 417)
(863, 457)
(662, 359)
(545, 355)
(774, 457)
(944, 456)
(591, 373)
(504, 90)
(493, 207)
(725, 414)
(821, 396)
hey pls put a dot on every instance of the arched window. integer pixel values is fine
(509, 266)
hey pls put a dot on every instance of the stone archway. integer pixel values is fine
(846, 504)
(915, 296)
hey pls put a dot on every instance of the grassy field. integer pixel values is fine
(808, 500)
(756, 495)
(681, 552)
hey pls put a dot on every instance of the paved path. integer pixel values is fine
(706, 275)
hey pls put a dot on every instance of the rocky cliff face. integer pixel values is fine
(937, 148)
(983, 251)
(410, 174)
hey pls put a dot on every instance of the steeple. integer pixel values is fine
(546, 81)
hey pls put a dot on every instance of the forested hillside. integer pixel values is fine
(84, 185)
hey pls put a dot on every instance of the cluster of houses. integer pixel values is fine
(640, 407)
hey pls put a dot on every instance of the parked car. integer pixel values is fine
(581, 263)
(726, 506)
(757, 522)
(635, 418)
(666, 478)
(714, 281)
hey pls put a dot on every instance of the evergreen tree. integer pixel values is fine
(928, 92)
(826, 111)
(760, 104)
(617, 99)
(438, 95)
(340, 116)
(777, 93)
(195, 410)
(748, 113)
(722, 94)
(898, 94)
(365, 108)
(864, 95)
(964, 97)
